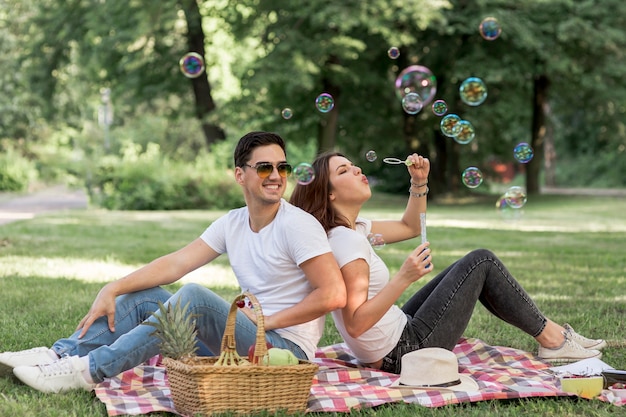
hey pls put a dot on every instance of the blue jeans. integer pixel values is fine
(440, 311)
(132, 344)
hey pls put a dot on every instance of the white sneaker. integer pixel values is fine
(62, 375)
(585, 342)
(30, 357)
(569, 352)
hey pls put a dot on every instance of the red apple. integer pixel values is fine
(251, 350)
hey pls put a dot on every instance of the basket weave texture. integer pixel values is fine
(199, 386)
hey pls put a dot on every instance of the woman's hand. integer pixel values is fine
(418, 264)
(419, 168)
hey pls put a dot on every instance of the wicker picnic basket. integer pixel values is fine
(200, 386)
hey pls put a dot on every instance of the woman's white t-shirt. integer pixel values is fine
(349, 245)
(267, 263)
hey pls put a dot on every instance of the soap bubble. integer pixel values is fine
(472, 177)
(371, 156)
(523, 152)
(515, 197)
(324, 102)
(449, 124)
(393, 52)
(490, 28)
(506, 211)
(304, 173)
(191, 65)
(286, 113)
(417, 79)
(412, 103)
(465, 132)
(473, 91)
(439, 107)
(376, 240)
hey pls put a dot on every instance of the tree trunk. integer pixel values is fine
(549, 154)
(201, 87)
(328, 125)
(438, 165)
(327, 128)
(539, 131)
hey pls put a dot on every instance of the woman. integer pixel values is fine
(377, 331)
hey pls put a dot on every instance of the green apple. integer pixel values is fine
(280, 357)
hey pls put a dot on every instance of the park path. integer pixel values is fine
(27, 206)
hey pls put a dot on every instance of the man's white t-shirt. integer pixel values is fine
(267, 263)
(349, 245)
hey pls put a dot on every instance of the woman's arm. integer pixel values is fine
(360, 314)
(409, 225)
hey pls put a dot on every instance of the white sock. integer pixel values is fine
(86, 374)
(53, 354)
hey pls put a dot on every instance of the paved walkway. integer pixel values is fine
(51, 199)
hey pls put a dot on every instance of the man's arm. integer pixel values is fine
(161, 271)
(329, 293)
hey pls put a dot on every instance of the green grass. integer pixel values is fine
(567, 252)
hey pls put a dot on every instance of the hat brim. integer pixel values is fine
(467, 384)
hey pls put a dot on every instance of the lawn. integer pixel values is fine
(568, 252)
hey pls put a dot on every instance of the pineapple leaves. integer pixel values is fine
(176, 329)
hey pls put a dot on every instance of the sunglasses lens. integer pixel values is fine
(264, 170)
(284, 170)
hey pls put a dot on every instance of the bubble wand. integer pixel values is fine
(408, 162)
(397, 161)
(423, 230)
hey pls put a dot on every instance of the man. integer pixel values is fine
(277, 251)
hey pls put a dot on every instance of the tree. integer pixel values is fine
(335, 47)
(131, 47)
(554, 78)
(201, 86)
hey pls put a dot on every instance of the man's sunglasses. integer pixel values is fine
(264, 169)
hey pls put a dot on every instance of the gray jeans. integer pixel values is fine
(440, 311)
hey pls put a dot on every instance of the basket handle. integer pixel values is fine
(228, 340)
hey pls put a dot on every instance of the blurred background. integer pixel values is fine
(141, 102)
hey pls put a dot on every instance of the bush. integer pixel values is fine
(602, 170)
(16, 172)
(150, 181)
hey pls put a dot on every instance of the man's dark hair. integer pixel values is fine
(250, 141)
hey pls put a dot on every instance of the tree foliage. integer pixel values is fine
(554, 78)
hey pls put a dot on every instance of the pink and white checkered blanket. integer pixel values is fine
(341, 384)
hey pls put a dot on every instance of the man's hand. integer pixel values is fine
(103, 305)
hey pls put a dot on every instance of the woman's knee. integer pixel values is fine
(482, 254)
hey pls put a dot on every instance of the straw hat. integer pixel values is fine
(435, 369)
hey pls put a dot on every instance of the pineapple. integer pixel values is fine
(177, 330)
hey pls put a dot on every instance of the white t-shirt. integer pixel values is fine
(266, 263)
(349, 245)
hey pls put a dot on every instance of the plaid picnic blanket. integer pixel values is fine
(341, 384)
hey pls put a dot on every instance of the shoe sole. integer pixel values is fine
(599, 346)
(562, 361)
(568, 360)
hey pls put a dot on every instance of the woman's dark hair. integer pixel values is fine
(314, 196)
(250, 141)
